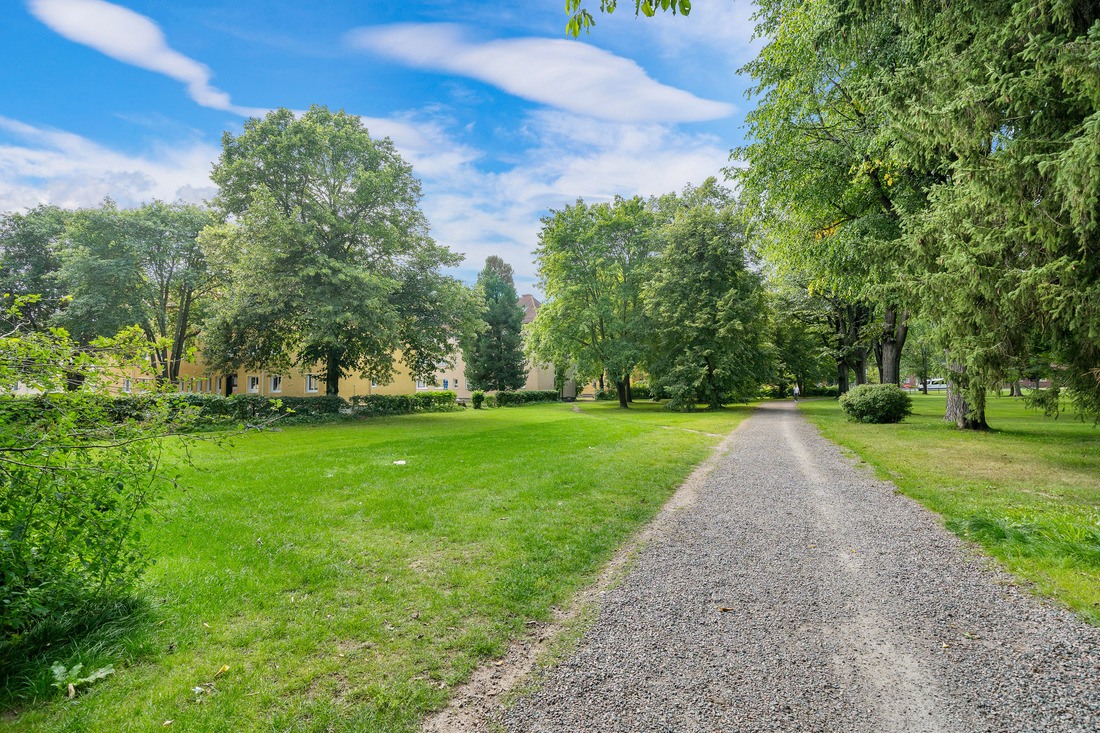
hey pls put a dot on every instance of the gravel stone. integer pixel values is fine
(799, 593)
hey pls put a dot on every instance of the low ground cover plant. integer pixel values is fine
(876, 403)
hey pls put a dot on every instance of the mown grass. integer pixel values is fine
(1028, 491)
(346, 592)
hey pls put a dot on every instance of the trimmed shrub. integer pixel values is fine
(607, 394)
(526, 397)
(478, 398)
(876, 403)
(640, 391)
(378, 405)
(815, 391)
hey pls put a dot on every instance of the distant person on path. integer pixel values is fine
(796, 393)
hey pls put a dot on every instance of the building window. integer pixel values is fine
(311, 383)
(446, 383)
(253, 384)
(374, 383)
(276, 384)
(420, 384)
(127, 385)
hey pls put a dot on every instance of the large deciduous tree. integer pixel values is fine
(594, 260)
(325, 256)
(494, 357)
(706, 309)
(138, 267)
(29, 263)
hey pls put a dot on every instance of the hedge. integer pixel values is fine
(526, 397)
(376, 405)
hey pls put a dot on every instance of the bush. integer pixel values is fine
(641, 391)
(378, 405)
(876, 403)
(607, 394)
(827, 391)
(526, 397)
(478, 399)
(772, 391)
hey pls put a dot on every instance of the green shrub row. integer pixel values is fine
(640, 391)
(376, 405)
(526, 397)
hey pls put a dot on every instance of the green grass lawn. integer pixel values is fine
(1028, 491)
(348, 593)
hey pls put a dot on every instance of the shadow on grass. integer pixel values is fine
(97, 634)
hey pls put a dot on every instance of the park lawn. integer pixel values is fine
(345, 592)
(1028, 491)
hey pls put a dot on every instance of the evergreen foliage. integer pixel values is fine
(494, 357)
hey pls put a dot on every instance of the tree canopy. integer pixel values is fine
(324, 257)
(494, 357)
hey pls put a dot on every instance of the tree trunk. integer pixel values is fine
(860, 366)
(842, 377)
(332, 375)
(893, 341)
(1015, 390)
(966, 416)
(629, 394)
(620, 387)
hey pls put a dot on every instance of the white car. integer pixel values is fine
(935, 384)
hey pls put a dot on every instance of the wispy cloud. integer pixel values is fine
(575, 77)
(44, 165)
(133, 39)
(569, 156)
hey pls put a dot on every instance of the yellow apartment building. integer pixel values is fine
(196, 377)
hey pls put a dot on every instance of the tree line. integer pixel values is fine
(933, 166)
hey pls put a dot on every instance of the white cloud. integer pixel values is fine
(43, 165)
(481, 213)
(133, 39)
(571, 76)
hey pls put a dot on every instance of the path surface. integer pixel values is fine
(798, 593)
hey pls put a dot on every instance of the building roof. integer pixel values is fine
(530, 307)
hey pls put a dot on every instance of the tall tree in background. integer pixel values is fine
(494, 357)
(325, 256)
(706, 309)
(822, 182)
(29, 263)
(594, 260)
(140, 267)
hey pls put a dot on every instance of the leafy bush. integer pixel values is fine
(79, 471)
(773, 391)
(478, 398)
(377, 405)
(827, 391)
(526, 397)
(876, 403)
(641, 391)
(607, 394)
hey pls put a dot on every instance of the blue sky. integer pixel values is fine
(501, 115)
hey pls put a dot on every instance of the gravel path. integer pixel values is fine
(798, 593)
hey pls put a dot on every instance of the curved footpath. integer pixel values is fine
(798, 593)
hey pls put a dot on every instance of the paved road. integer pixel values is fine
(798, 593)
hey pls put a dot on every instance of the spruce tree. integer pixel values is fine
(494, 358)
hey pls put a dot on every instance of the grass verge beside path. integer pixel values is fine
(346, 592)
(1028, 491)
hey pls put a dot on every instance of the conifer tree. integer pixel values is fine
(494, 357)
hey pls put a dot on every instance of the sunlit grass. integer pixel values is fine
(346, 592)
(1028, 491)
